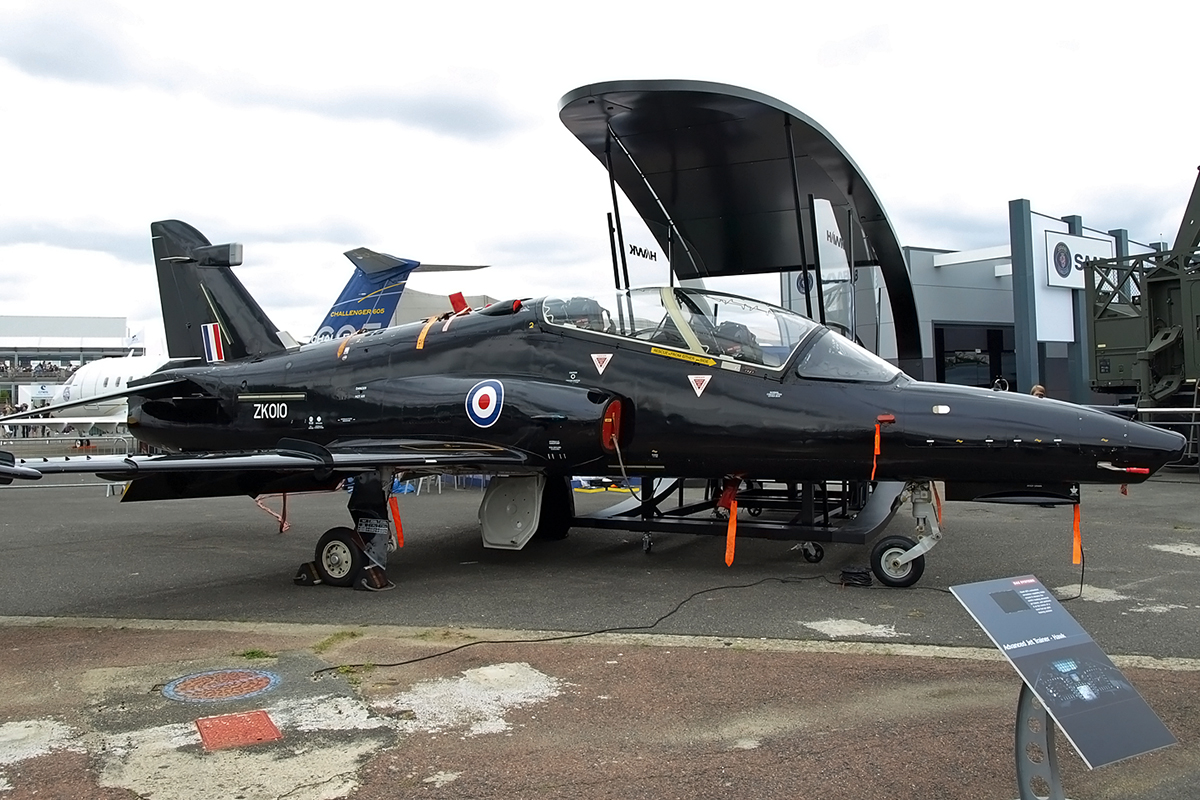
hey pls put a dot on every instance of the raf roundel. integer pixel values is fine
(484, 402)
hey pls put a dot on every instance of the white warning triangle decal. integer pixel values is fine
(601, 361)
(699, 383)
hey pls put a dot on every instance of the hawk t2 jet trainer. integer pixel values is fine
(767, 407)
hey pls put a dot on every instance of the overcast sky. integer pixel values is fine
(430, 131)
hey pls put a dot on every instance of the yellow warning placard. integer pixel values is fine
(695, 359)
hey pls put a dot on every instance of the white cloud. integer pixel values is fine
(431, 132)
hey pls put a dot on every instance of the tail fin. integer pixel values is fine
(372, 294)
(207, 313)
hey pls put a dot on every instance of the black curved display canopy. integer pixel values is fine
(721, 175)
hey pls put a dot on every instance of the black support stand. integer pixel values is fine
(1037, 764)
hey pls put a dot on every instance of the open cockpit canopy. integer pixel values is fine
(714, 325)
(728, 181)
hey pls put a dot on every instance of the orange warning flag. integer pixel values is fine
(731, 533)
(396, 519)
(1077, 552)
(875, 458)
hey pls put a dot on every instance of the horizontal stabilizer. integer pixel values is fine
(91, 400)
(372, 262)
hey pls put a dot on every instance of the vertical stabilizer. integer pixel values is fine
(371, 295)
(198, 289)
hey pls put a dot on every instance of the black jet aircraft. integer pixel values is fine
(649, 384)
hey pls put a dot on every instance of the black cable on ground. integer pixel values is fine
(856, 576)
(567, 636)
(1082, 567)
(850, 576)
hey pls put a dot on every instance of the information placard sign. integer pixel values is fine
(1092, 701)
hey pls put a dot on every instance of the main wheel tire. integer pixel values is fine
(558, 509)
(338, 558)
(883, 562)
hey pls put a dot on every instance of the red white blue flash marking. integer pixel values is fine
(211, 334)
(484, 402)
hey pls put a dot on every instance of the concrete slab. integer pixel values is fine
(620, 716)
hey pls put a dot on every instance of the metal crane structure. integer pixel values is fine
(1145, 319)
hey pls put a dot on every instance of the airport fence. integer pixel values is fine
(52, 446)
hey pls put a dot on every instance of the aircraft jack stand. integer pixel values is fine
(1037, 763)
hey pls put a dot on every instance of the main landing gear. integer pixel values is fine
(356, 556)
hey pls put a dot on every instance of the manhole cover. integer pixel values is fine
(221, 684)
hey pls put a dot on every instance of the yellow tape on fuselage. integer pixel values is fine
(424, 331)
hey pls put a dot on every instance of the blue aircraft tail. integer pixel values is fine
(371, 295)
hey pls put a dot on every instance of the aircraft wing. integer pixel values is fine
(290, 456)
(62, 422)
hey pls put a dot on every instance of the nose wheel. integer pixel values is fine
(889, 566)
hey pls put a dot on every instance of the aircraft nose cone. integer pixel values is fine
(974, 434)
(1156, 446)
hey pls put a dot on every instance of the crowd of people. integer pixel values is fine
(42, 369)
(15, 431)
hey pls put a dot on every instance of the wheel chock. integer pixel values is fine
(307, 574)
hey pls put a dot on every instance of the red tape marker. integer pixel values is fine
(731, 533)
(875, 458)
(1077, 550)
(396, 520)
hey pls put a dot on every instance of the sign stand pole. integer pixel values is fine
(1036, 759)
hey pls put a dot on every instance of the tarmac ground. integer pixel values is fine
(768, 681)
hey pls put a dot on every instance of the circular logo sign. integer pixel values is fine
(484, 402)
(1062, 260)
(804, 282)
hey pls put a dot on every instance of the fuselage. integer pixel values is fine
(101, 377)
(513, 379)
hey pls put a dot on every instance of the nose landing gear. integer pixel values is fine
(898, 560)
